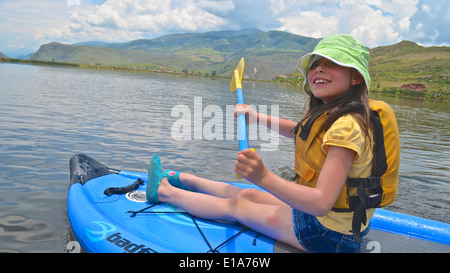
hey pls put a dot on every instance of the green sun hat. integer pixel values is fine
(343, 50)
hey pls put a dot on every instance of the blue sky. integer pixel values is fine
(27, 24)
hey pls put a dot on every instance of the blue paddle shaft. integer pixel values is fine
(242, 123)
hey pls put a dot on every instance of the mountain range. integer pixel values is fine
(267, 54)
(270, 55)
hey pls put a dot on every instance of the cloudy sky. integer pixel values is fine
(26, 24)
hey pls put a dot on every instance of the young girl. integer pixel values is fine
(338, 147)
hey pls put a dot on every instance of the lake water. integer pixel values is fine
(121, 119)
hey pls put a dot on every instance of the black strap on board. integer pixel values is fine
(123, 190)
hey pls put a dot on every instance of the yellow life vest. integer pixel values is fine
(358, 194)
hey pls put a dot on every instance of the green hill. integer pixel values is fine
(398, 68)
(267, 54)
(81, 54)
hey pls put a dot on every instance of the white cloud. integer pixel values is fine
(310, 23)
(73, 2)
(397, 8)
(374, 22)
(425, 8)
(375, 30)
(358, 18)
(120, 20)
(404, 24)
(219, 8)
(366, 24)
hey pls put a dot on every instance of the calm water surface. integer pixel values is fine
(121, 119)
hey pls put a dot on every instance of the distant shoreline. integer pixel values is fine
(392, 92)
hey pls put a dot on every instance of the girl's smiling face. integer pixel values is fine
(328, 80)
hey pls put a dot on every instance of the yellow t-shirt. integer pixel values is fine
(346, 132)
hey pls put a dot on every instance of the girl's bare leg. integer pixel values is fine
(271, 220)
(211, 187)
(224, 190)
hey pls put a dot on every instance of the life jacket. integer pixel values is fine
(358, 194)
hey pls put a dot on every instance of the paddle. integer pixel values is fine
(236, 85)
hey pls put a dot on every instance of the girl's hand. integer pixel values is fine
(250, 166)
(250, 114)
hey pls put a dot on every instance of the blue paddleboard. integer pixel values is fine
(126, 222)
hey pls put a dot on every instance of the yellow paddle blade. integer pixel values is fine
(237, 76)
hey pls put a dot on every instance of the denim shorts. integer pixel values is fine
(316, 238)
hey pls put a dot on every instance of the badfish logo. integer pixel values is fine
(100, 233)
